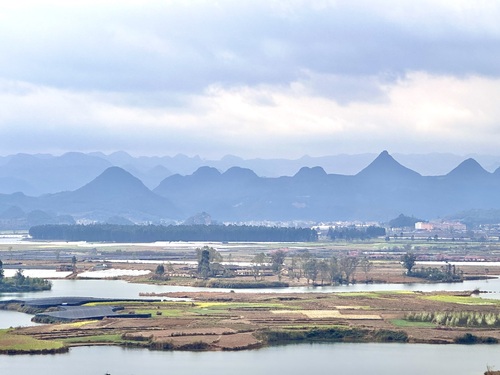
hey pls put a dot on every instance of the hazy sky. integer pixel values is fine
(251, 78)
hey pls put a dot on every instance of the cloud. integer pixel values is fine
(251, 78)
(420, 113)
(188, 46)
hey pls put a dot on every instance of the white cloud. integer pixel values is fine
(419, 113)
(252, 78)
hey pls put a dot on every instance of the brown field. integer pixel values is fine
(236, 321)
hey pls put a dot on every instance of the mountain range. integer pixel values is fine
(39, 174)
(379, 192)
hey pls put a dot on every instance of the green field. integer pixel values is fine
(18, 344)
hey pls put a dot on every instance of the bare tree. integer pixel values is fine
(311, 269)
(347, 266)
(323, 271)
(257, 265)
(277, 260)
(334, 271)
(366, 266)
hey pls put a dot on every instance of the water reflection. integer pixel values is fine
(345, 359)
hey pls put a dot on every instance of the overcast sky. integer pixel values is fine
(250, 78)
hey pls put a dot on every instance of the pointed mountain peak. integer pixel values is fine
(384, 158)
(115, 173)
(385, 165)
(468, 168)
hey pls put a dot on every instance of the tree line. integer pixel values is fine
(355, 233)
(153, 233)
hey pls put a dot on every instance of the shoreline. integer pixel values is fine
(219, 321)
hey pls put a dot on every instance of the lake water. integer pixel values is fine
(122, 289)
(344, 359)
(15, 319)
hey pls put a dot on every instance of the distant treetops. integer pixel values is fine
(153, 233)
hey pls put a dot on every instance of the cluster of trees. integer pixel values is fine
(334, 270)
(162, 272)
(152, 233)
(355, 233)
(21, 283)
(210, 263)
(447, 273)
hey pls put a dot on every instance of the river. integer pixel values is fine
(344, 358)
(339, 358)
(123, 289)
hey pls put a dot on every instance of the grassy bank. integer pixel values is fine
(20, 344)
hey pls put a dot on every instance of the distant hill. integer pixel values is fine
(39, 174)
(380, 191)
(385, 168)
(469, 168)
(115, 192)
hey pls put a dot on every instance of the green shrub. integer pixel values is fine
(386, 335)
(469, 338)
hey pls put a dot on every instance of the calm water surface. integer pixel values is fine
(123, 289)
(344, 359)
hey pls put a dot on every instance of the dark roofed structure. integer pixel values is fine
(71, 308)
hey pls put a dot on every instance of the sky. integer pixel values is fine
(269, 79)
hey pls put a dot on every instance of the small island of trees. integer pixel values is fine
(448, 273)
(21, 283)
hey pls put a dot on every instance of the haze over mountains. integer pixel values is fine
(43, 173)
(379, 192)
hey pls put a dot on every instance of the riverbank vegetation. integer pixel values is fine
(331, 334)
(448, 273)
(20, 283)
